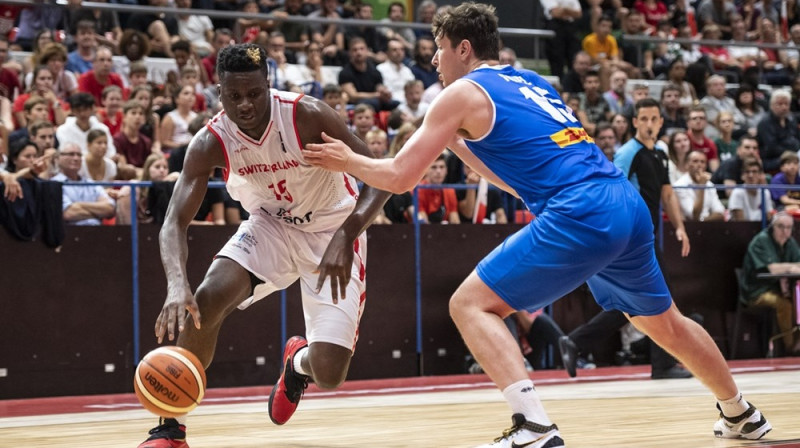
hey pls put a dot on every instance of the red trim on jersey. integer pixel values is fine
(253, 141)
(362, 269)
(222, 143)
(294, 121)
(349, 187)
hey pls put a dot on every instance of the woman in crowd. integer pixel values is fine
(54, 56)
(42, 86)
(152, 124)
(679, 147)
(747, 113)
(175, 126)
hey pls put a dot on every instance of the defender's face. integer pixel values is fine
(245, 98)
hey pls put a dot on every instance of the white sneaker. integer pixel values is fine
(525, 434)
(750, 425)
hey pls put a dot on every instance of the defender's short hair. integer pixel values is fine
(242, 58)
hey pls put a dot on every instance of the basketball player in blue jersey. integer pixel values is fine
(591, 224)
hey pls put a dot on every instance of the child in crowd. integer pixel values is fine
(111, 112)
(175, 126)
(189, 77)
(726, 145)
(132, 145)
(378, 143)
(333, 96)
(152, 121)
(137, 76)
(77, 127)
(363, 120)
(35, 109)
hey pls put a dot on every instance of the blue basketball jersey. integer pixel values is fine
(535, 145)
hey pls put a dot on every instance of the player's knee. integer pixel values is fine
(329, 378)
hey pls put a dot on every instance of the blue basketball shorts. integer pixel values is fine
(600, 233)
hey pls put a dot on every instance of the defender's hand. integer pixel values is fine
(332, 155)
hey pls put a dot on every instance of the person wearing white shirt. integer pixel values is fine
(395, 73)
(745, 204)
(559, 17)
(698, 204)
(76, 127)
(195, 29)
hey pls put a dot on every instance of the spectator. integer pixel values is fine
(422, 68)
(745, 204)
(437, 205)
(137, 76)
(601, 46)
(135, 46)
(671, 111)
(637, 54)
(111, 112)
(106, 23)
(774, 62)
(698, 139)
(395, 74)
(560, 17)
(786, 199)
(469, 200)
(83, 205)
(509, 57)
(175, 126)
(746, 56)
(189, 77)
(151, 202)
(222, 38)
(42, 87)
(43, 134)
(679, 147)
(375, 40)
(729, 172)
(35, 109)
(54, 57)
(715, 102)
(332, 33)
(100, 76)
(377, 142)
(412, 108)
(79, 61)
(39, 16)
(622, 129)
(83, 119)
(9, 79)
(773, 250)
(777, 131)
(43, 37)
(363, 120)
(748, 112)
(654, 11)
(161, 28)
(593, 103)
(397, 14)
(717, 12)
(606, 139)
(425, 12)
(676, 74)
(572, 81)
(726, 145)
(617, 97)
(296, 33)
(96, 166)
(152, 121)
(132, 146)
(362, 82)
(698, 204)
(195, 28)
(722, 63)
(310, 78)
(404, 132)
(334, 97)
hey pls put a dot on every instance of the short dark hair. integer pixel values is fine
(80, 100)
(242, 58)
(475, 22)
(645, 103)
(14, 149)
(751, 162)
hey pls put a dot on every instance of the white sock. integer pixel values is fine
(523, 399)
(734, 407)
(297, 361)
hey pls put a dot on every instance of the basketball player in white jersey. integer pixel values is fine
(305, 223)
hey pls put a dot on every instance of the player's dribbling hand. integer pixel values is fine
(174, 311)
(332, 155)
(336, 263)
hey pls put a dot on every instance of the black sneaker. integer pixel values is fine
(168, 434)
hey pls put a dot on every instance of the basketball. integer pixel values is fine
(169, 381)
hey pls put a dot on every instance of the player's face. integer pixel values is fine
(245, 98)
(446, 60)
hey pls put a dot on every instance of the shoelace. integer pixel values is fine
(508, 433)
(162, 427)
(296, 387)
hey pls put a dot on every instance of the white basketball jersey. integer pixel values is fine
(270, 176)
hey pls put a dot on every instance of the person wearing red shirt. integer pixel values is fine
(437, 205)
(222, 38)
(698, 139)
(100, 76)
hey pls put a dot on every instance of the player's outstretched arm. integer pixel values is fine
(338, 258)
(203, 155)
(444, 119)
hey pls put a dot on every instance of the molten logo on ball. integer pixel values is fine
(159, 388)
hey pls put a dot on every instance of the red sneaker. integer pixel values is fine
(288, 391)
(168, 434)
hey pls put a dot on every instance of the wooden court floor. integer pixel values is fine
(594, 410)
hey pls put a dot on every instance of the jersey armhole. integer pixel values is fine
(224, 150)
(494, 111)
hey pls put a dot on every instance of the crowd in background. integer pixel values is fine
(90, 78)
